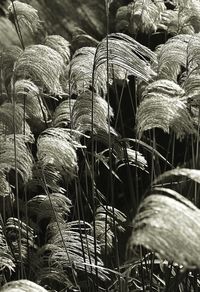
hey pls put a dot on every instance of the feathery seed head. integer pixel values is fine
(82, 113)
(19, 125)
(106, 218)
(24, 159)
(22, 285)
(162, 107)
(25, 238)
(174, 239)
(126, 53)
(28, 96)
(6, 257)
(41, 64)
(63, 113)
(27, 16)
(57, 147)
(81, 72)
(59, 44)
(53, 207)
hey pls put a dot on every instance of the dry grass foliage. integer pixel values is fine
(90, 165)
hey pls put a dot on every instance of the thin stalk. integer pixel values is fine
(151, 274)
(79, 203)
(119, 99)
(110, 145)
(168, 276)
(196, 200)
(173, 147)
(17, 27)
(92, 168)
(142, 271)
(16, 176)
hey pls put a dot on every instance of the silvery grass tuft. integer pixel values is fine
(27, 16)
(104, 223)
(23, 285)
(50, 207)
(18, 124)
(57, 147)
(163, 106)
(82, 113)
(59, 44)
(28, 96)
(63, 113)
(93, 127)
(81, 72)
(23, 163)
(175, 239)
(146, 16)
(9, 56)
(133, 60)
(41, 64)
(7, 260)
(17, 232)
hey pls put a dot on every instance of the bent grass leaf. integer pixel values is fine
(148, 148)
(179, 53)
(132, 157)
(164, 113)
(172, 56)
(191, 87)
(163, 87)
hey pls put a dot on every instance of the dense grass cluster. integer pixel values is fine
(99, 151)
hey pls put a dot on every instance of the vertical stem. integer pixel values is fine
(16, 175)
